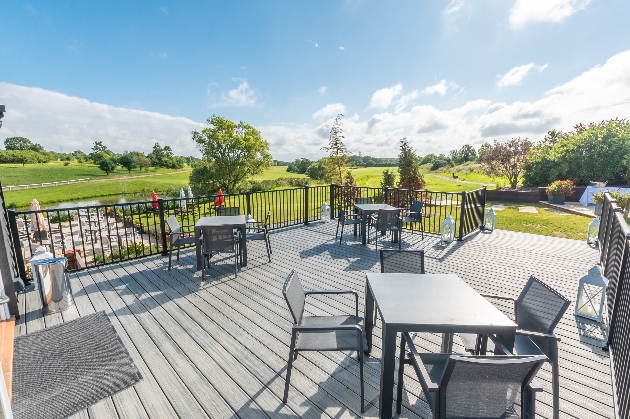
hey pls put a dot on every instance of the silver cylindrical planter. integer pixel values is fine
(54, 285)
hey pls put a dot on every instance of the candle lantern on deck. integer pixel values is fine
(591, 295)
(593, 231)
(324, 212)
(490, 220)
(448, 229)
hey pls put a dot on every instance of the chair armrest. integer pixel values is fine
(418, 366)
(299, 328)
(329, 292)
(498, 297)
(527, 333)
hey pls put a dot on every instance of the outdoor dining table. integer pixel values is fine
(236, 221)
(433, 303)
(364, 211)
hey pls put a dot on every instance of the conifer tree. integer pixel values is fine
(408, 168)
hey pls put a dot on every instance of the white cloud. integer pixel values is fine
(440, 88)
(554, 11)
(382, 98)
(517, 74)
(323, 90)
(454, 6)
(243, 95)
(163, 9)
(342, 48)
(603, 92)
(406, 99)
(316, 45)
(53, 119)
(330, 110)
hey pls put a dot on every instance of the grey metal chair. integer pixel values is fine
(179, 237)
(415, 216)
(368, 200)
(260, 231)
(321, 333)
(345, 218)
(537, 310)
(402, 261)
(218, 239)
(228, 211)
(467, 386)
(388, 220)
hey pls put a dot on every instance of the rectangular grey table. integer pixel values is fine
(434, 303)
(236, 221)
(365, 210)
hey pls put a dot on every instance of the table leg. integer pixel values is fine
(369, 317)
(244, 245)
(198, 249)
(363, 230)
(388, 366)
(447, 343)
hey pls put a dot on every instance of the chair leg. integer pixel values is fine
(235, 264)
(268, 250)
(289, 366)
(170, 256)
(178, 247)
(401, 374)
(337, 233)
(341, 236)
(361, 355)
(555, 371)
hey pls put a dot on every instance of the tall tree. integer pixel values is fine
(389, 178)
(337, 152)
(231, 153)
(21, 143)
(128, 161)
(507, 159)
(409, 176)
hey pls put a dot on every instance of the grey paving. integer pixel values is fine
(219, 348)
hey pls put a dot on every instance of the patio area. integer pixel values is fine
(219, 348)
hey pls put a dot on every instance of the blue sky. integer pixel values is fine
(441, 73)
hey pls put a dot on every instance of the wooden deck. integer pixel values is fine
(219, 348)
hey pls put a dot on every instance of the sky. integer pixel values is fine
(440, 73)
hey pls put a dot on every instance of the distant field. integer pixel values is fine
(371, 176)
(277, 172)
(16, 174)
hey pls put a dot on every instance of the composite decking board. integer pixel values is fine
(20, 324)
(495, 263)
(165, 380)
(149, 401)
(321, 374)
(577, 412)
(181, 330)
(213, 342)
(270, 358)
(162, 355)
(34, 318)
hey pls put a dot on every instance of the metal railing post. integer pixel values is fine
(17, 245)
(462, 216)
(306, 188)
(162, 226)
(248, 201)
(332, 201)
(386, 193)
(483, 207)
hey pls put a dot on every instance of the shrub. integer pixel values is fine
(439, 163)
(61, 217)
(560, 188)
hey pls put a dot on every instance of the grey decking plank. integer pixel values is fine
(174, 389)
(150, 396)
(208, 395)
(126, 403)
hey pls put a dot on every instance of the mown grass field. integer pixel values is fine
(16, 174)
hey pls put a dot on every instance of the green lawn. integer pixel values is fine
(546, 223)
(277, 172)
(16, 174)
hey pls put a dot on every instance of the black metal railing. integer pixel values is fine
(103, 234)
(466, 208)
(614, 245)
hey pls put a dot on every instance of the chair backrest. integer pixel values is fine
(402, 261)
(416, 210)
(218, 239)
(228, 211)
(369, 200)
(484, 386)
(341, 214)
(294, 296)
(388, 219)
(539, 307)
(174, 226)
(267, 219)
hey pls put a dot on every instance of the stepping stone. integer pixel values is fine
(499, 207)
(531, 210)
(557, 211)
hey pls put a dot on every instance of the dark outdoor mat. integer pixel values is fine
(66, 368)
